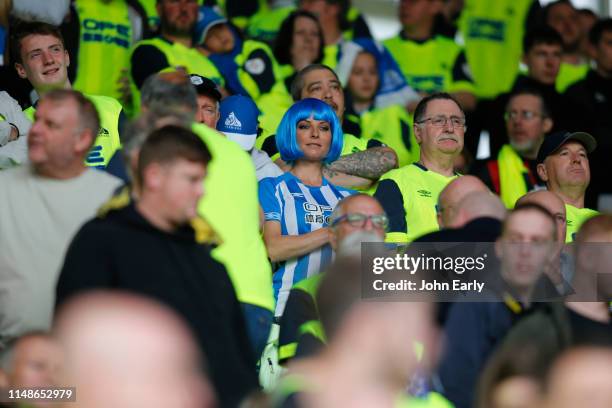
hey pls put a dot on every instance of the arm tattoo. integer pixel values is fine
(371, 163)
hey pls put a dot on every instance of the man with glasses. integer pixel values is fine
(353, 214)
(513, 173)
(409, 195)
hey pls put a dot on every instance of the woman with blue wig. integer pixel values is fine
(298, 204)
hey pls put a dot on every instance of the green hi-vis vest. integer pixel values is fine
(431, 400)
(569, 74)
(391, 125)
(309, 286)
(178, 56)
(512, 172)
(265, 24)
(152, 16)
(493, 33)
(330, 55)
(231, 206)
(428, 66)
(108, 141)
(420, 189)
(267, 90)
(104, 46)
(352, 14)
(575, 218)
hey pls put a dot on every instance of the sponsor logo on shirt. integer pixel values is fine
(316, 213)
(424, 193)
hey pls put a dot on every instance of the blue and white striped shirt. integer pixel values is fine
(299, 209)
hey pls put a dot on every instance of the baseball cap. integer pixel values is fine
(238, 120)
(554, 141)
(205, 86)
(207, 19)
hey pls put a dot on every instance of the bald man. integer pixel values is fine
(452, 194)
(553, 203)
(581, 377)
(123, 350)
(480, 223)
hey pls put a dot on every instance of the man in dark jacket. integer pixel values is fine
(590, 101)
(156, 246)
(474, 329)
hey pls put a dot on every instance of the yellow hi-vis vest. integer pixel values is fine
(230, 206)
(391, 125)
(271, 98)
(104, 46)
(108, 141)
(493, 33)
(570, 74)
(575, 218)
(428, 66)
(420, 189)
(511, 175)
(178, 56)
(151, 10)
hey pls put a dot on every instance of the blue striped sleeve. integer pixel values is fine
(268, 201)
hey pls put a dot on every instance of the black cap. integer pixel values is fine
(205, 86)
(554, 141)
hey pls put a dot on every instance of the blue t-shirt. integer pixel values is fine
(299, 209)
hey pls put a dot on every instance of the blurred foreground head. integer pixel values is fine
(123, 350)
(32, 360)
(382, 335)
(581, 377)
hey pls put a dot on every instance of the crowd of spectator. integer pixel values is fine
(190, 189)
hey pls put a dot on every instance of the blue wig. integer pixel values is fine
(286, 134)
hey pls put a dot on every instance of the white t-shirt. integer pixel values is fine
(264, 166)
(38, 219)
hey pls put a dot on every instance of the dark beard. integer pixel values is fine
(171, 29)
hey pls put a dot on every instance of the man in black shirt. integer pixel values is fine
(156, 246)
(590, 101)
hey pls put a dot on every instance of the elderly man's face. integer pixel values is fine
(356, 217)
(440, 130)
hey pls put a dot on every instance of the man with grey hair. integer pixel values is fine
(230, 204)
(43, 205)
(355, 218)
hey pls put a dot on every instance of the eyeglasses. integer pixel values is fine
(358, 220)
(525, 115)
(441, 121)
